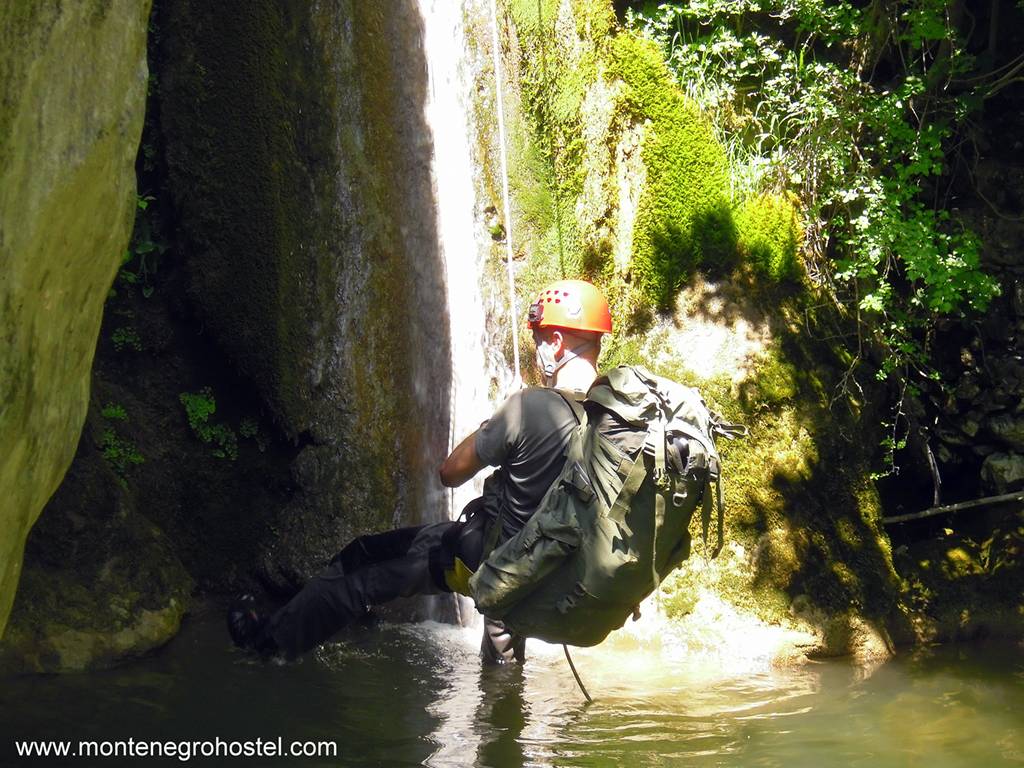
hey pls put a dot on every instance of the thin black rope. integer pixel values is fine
(576, 674)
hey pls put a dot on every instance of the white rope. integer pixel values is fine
(504, 189)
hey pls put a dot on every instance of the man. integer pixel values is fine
(525, 438)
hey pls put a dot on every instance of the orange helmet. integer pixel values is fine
(573, 304)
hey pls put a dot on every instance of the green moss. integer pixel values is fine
(684, 219)
(770, 235)
(776, 380)
(560, 47)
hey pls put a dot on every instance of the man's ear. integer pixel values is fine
(558, 342)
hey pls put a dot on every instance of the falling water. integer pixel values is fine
(464, 243)
(463, 239)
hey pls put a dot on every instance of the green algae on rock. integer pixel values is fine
(73, 83)
(101, 582)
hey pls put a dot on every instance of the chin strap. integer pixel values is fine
(572, 354)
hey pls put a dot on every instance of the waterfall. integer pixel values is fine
(464, 243)
(463, 239)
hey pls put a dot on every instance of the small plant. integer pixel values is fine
(199, 407)
(114, 412)
(126, 337)
(141, 260)
(120, 453)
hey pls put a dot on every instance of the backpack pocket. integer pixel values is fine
(517, 567)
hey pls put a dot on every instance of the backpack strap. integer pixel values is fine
(571, 399)
(634, 479)
(727, 429)
(663, 486)
(707, 502)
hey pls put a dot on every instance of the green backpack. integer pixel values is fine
(616, 520)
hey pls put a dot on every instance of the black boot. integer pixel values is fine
(246, 624)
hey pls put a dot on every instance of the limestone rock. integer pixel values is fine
(72, 85)
(969, 426)
(967, 388)
(1003, 472)
(300, 163)
(1008, 429)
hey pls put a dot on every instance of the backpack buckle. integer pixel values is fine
(679, 498)
(661, 479)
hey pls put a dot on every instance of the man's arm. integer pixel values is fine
(462, 464)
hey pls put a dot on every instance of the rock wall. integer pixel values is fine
(101, 582)
(72, 85)
(305, 284)
(299, 161)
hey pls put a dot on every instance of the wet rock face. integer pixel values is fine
(73, 84)
(299, 161)
(1003, 472)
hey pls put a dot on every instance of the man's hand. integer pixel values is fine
(462, 464)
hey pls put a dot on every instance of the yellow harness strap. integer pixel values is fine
(457, 577)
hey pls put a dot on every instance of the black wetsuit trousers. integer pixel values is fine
(378, 568)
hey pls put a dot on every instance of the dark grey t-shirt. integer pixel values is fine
(526, 439)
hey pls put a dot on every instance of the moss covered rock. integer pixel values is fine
(72, 85)
(618, 176)
(806, 549)
(101, 582)
(770, 236)
(968, 586)
(684, 218)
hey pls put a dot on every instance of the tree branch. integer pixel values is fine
(988, 500)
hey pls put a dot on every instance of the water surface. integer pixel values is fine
(417, 694)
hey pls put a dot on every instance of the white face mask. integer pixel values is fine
(546, 362)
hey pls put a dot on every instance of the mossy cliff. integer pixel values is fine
(72, 86)
(299, 161)
(619, 177)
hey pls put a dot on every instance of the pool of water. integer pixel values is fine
(416, 694)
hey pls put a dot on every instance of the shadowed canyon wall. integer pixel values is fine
(300, 165)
